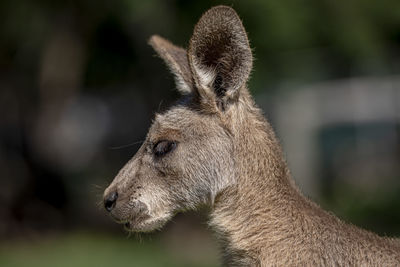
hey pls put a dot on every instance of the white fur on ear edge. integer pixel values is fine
(176, 59)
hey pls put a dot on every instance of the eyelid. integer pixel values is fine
(163, 147)
(149, 146)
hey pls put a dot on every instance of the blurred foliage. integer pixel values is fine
(294, 41)
(83, 249)
(85, 65)
(376, 211)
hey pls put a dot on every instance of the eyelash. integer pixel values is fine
(163, 147)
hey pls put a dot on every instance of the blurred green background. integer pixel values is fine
(79, 86)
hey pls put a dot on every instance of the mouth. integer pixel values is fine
(139, 218)
(147, 224)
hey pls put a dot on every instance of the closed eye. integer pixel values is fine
(163, 147)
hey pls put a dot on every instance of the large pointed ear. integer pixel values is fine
(219, 55)
(176, 59)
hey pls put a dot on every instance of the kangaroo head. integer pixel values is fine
(187, 157)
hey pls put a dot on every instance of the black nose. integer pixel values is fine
(110, 200)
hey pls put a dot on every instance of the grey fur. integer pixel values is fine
(228, 158)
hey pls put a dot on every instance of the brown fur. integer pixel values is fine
(224, 154)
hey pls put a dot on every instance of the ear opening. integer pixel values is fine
(176, 59)
(219, 54)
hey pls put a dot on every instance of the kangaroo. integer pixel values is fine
(214, 148)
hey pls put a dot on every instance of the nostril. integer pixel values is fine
(110, 200)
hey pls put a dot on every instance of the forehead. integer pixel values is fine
(180, 122)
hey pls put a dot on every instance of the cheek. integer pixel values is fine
(175, 177)
(213, 165)
(168, 169)
(156, 193)
(193, 174)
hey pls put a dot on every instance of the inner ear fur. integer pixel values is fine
(176, 59)
(219, 54)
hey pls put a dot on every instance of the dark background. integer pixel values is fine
(79, 86)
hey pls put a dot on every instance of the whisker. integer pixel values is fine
(98, 192)
(97, 186)
(127, 145)
(129, 235)
(159, 105)
(100, 204)
(139, 237)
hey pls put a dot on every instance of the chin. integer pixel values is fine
(147, 225)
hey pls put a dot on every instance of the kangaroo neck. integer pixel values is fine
(262, 189)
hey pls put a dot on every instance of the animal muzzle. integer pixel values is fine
(123, 209)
